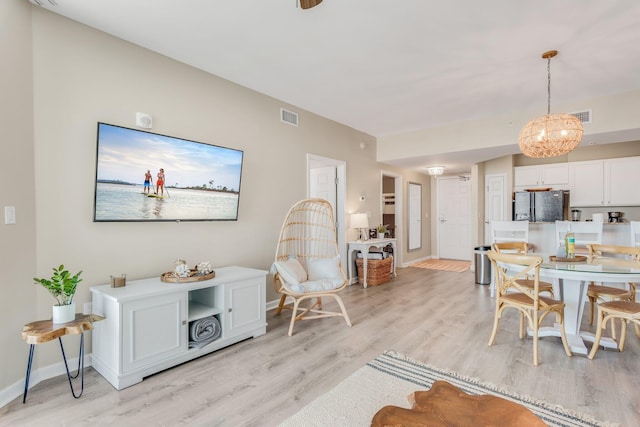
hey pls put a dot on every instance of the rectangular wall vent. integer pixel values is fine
(583, 116)
(288, 117)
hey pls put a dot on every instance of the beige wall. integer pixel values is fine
(612, 115)
(17, 242)
(80, 76)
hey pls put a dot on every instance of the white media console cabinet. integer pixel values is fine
(146, 326)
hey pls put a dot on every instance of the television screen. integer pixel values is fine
(143, 176)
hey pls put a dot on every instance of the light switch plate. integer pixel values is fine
(9, 214)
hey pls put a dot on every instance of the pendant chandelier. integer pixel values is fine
(553, 134)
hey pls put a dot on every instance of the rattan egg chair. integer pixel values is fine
(307, 264)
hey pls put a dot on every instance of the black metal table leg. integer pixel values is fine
(80, 367)
(26, 379)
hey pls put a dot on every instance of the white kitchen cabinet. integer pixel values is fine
(555, 175)
(610, 182)
(587, 183)
(623, 177)
(146, 326)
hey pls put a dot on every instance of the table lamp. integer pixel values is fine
(360, 221)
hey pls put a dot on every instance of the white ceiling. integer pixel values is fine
(390, 66)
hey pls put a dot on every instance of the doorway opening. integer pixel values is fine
(391, 209)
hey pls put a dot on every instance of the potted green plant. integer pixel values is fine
(382, 231)
(62, 286)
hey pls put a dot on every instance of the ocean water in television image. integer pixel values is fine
(124, 202)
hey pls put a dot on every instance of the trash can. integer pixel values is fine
(482, 265)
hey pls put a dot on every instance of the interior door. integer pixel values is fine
(322, 184)
(454, 218)
(327, 179)
(495, 205)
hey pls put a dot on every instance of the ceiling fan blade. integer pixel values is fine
(308, 4)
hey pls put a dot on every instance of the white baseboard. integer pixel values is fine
(38, 375)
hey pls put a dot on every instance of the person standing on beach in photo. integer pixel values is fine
(148, 182)
(160, 182)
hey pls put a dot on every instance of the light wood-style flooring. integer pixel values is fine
(440, 318)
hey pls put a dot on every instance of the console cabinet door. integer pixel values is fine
(154, 329)
(245, 306)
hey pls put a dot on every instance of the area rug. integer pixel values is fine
(391, 377)
(444, 265)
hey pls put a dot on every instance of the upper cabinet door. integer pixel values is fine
(555, 175)
(587, 183)
(526, 176)
(622, 177)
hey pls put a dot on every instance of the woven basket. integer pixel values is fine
(378, 271)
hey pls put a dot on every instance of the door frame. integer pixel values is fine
(341, 197)
(397, 188)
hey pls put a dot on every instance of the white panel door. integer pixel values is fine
(495, 202)
(322, 184)
(454, 218)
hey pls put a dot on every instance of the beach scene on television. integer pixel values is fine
(143, 176)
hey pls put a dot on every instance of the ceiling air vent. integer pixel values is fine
(289, 117)
(583, 116)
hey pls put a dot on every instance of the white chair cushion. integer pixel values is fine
(291, 271)
(315, 285)
(324, 268)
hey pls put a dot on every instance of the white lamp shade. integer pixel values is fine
(359, 220)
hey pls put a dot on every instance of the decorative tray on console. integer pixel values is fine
(194, 276)
(577, 258)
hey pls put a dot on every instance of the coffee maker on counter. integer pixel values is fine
(615, 216)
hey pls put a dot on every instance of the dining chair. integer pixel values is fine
(626, 311)
(634, 227)
(521, 248)
(603, 293)
(531, 305)
(507, 231)
(307, 264)
(586, 232)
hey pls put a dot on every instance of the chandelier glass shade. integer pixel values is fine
(550, 135)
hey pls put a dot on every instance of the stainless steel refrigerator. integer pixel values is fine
(541, 206)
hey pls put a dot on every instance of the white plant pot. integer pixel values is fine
(380, 235)
(64, 313)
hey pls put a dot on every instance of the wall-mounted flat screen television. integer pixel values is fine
(144, 176)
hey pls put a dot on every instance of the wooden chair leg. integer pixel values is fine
(563, 335)
(496, 319)
(592, 307)
(596, 341)
(623, 333)
(343, 309)
(281, 304)
(294, 314)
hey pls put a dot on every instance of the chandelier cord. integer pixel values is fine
(548, 86)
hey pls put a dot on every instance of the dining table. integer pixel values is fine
(572, 278)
